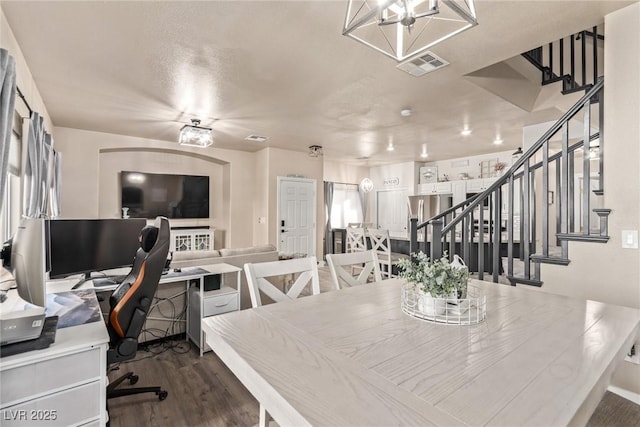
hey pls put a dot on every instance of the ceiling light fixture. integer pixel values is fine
(516, 155)
(194, 135)
(401, 29)
(424, 153)
(366, 185)
(315, 150)
(390, 147)
(498, 140)
(406, 112)
(465, 132)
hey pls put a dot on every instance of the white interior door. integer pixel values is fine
(297, 216)
(392, 211)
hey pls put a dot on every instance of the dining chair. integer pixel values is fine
(367, 260)
(356, 241)
(381, 244)
(257, 281)
(258, 274)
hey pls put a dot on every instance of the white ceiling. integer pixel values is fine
(279, 69)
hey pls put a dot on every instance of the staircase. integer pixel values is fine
(529, 214)
(572, 60)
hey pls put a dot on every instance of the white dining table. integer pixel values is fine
(353, 358)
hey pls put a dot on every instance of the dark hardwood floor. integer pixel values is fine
(203, 392)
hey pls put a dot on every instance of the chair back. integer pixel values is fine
(365, 259)
(131, 300)
(258, 274)
(381, 244)
(356, 241)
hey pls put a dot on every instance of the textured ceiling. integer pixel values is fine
(279, 69)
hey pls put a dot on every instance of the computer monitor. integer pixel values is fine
(26, 256)
(81, 246)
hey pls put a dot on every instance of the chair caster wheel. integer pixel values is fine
(133, 379)
(162, 394)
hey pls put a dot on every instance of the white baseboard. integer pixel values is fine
(629, 395)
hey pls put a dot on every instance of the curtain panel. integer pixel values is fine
(39, 169)
(7, 105)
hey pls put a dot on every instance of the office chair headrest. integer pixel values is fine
(148, 237)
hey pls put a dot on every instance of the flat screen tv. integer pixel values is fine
(148, 195)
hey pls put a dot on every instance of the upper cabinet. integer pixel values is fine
(478, 185)
(435, 188)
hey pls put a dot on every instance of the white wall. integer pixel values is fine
(90, 181)
(606, 272)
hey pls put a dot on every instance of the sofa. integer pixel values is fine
(233, 256)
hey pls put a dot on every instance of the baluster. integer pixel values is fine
(586, 170)
(545, 196)
(584, 55)
(550, 60)
(595, 53)
(497, 232)
(572, 186)
(511, 218)
(600, 96)
(573, 61)
(562, 58)
(557, 166)
(564, 186)
(481, 241)
(522, 231)
(452, 242)
(413, 237)
(533, 206)
(525, 221)
(436, 240)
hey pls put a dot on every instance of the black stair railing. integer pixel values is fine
(513, 219)
(576, 67)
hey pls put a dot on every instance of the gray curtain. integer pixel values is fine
(7, 104)
(38, 175)
(364, 199)
(56, 180)
(328, 203)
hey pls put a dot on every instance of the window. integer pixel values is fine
(346, 206)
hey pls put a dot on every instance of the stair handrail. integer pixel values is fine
(527, 154)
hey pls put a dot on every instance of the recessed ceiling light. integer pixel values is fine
(256, 138)
(424, 155)
(498, 141)
(390, 147)
(406, 112)
(466, 132)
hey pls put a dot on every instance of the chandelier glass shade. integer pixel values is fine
(402, 29)
(194, 135)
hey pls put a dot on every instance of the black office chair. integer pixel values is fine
(130, 304)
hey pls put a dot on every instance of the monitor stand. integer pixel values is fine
(86, 277)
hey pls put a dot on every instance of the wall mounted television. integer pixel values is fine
(148, 195)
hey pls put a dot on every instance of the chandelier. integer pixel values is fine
(195, 135)
(401, 29)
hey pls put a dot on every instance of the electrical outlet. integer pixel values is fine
(630, 239)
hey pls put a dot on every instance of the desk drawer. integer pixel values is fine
(220, 304)
(50, 375)
(74, 406)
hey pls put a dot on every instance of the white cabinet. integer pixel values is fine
(479, 185)
(435, 188)
(203, 303)
(459, 191)
(191, 240)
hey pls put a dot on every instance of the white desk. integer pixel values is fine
(62, 385)
(352, 357)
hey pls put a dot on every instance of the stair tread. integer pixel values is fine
(524, 281)
(579, 237)
(549, 260)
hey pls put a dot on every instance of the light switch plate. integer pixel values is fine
(630, 239)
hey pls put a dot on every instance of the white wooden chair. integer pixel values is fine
(257, 282)
(257, 275)
(367, 260)
(356, 241)
(381, 244)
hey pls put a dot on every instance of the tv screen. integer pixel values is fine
(148, 195)
(86, 245)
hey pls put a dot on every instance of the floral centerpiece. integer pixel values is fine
(439, 282)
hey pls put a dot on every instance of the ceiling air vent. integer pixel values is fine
(256, 138)
(423, 64)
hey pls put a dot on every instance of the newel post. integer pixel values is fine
(436, 239)
(413, 235)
